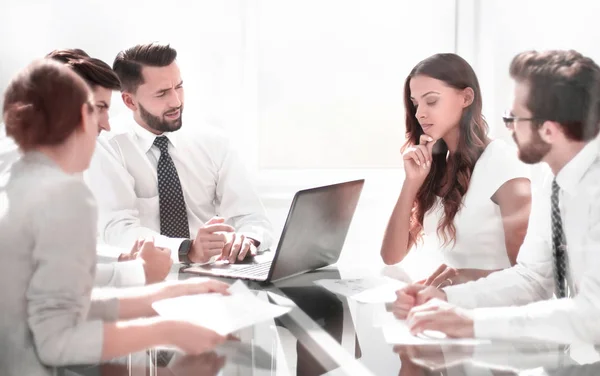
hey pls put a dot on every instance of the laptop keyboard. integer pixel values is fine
(255, 270)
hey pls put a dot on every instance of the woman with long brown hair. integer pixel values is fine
(468, 191)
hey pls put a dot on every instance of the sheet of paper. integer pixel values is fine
(223, 314)
(239, 288)
(380, 315)
(364, 290)
(396, 332)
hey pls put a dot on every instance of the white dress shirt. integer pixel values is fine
(516, 299)
(109, 273)
(480, 240)
(123, 177)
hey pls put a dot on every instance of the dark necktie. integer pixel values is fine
(559, 246)
(173, 213)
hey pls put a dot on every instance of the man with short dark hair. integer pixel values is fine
(187, 188)
(96, 73)
(554, 119)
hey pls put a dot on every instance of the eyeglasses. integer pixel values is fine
(510, 120)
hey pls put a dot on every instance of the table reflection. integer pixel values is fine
(209, 364)
(497, 359)
(592, 369)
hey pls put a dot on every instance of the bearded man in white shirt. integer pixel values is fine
(186, 188)
(554, 119)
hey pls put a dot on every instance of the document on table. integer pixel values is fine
(396, 332)
(223, 314)
(365, 290)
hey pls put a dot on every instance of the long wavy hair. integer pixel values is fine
(455, 72)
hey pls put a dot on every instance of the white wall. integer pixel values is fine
(507, 27)
(504, 28)
(331, 75)
(308, 89)
(284, 76)
(311, 90)
(207, 34)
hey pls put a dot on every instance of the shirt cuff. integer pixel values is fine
(103, 307)
(494, 323)
(461, 295)
(107, 253)
(85, 347)
(130, 273)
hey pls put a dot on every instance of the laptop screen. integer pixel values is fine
(316, 228)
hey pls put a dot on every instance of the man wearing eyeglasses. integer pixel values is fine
(554, 119)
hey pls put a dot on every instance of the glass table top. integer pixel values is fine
(325, 333)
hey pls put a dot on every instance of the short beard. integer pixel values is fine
(534, 151)
(160, 124)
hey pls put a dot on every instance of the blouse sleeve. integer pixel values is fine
(503, 165)
(58, 295)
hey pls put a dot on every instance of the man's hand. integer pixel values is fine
(238, 247)
(412, 296)
(443, 317)
(156, 261)
(210, 240)
(131, 255)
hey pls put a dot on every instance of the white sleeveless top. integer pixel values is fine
(480, 242)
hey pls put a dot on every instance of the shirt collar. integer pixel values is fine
(34, 156)
(145, 138)
(571, 174)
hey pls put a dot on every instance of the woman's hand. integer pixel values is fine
(418, 159)
(191, 286)
(191, 338)
(446, 276)
(443, 276)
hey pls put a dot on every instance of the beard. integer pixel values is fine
(160, 123)
(534, 151)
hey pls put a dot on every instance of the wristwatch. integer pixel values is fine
(184, 250)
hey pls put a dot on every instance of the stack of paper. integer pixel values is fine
(364, 290)
(223, 314)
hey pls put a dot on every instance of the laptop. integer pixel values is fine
(313, 236)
